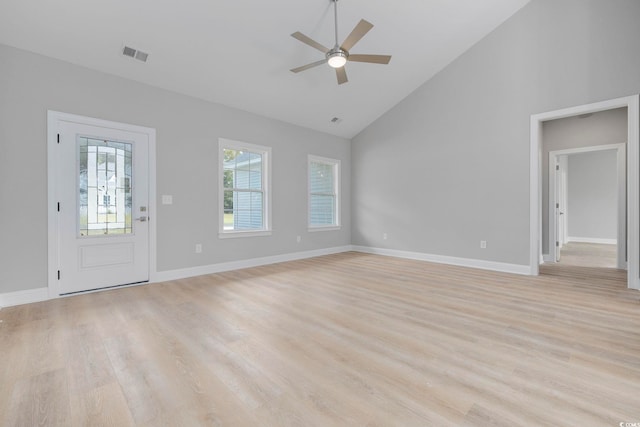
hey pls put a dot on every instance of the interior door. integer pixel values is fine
(559, 213)
(562, 192)
(103, 192)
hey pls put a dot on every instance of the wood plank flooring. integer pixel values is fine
(348, 339)
(589, 255)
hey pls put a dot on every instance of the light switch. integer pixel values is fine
(167, 199)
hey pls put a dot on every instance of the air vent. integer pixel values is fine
(336, 120)
(128, 51)
(135, 54)
(142, 56)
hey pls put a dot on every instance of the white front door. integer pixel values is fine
(103, 193)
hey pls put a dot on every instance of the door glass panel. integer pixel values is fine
(104, 187)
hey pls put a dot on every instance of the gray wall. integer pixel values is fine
(605, 127)
(187, 141)
(449, 165)
(592, 188)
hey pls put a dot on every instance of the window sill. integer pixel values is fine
(324, 228)
(236, 234)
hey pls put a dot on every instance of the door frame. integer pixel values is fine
(535, 180)
(53, 247)
(621, 233)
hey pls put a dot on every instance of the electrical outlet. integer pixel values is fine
(384, 236)
(298, 239)
(483, 244)
(198, 248)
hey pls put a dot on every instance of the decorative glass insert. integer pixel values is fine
(104, 187)
(322, 192)
(243, 190)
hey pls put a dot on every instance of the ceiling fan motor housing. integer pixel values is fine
(337, 57)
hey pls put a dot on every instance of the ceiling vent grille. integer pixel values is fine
(135, 54)
(142, 56)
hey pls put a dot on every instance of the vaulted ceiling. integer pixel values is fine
(239, 52)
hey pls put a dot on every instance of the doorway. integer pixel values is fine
(589, 206)
(631, 103)
(99, 210)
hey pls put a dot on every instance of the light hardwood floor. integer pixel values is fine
(348, 339)
(589, 255)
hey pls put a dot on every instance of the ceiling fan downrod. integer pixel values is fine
(336, 57)
(335, 14)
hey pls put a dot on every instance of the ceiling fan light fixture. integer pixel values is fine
(336, 58)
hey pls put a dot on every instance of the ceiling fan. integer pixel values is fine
(338, 56)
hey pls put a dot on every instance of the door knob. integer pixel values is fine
(142, 219)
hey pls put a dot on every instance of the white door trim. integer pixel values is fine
(53, 120)
(621, 199)
(535, 177)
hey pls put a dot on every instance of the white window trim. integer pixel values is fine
(336, 183)
(266, 185)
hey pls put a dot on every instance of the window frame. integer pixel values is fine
(265, 152)
(335, 165)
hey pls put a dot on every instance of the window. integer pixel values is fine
(324, 182)
(244, 189)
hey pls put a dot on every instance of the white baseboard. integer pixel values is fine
(10, 299)
(42, 294)
(547, 258)
(592, 240)
(163, 276)
(443, 259)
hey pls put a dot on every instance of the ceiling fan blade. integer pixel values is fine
(373, 59)
(309, 41)
(341, 73)
(358, 32)
(306, 67)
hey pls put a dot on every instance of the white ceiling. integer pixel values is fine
(239, 52)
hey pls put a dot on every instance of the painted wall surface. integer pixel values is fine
(603, 128)
(592, 195)
(187, 158)
(449, 165)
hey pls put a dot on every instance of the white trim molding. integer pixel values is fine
(621, 203)
(592, 240)
(29, 296)
(54, 119)
(43, 294)
(443, 259)
(632, 103)
(265, 188)
(336, 168)
(163, 276)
